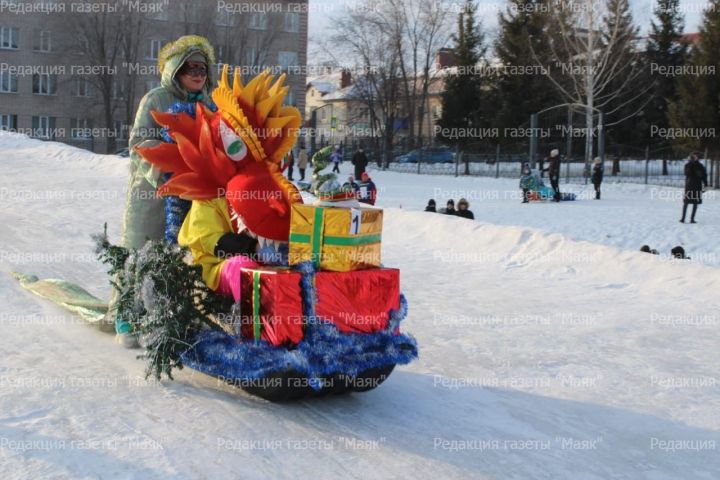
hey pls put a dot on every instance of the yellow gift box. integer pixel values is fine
(337, 239)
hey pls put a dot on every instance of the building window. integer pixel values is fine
(190, 12)
(80, 88)
(8, 82)
(288, 60)
(291, 22)
(43, 127)
(290, 98)
(8, 37)
(251, 56)
(225, 18)
(44, 84)
(83, 45)
(121, 130)
(224, 54)
(159, 11)
(117, 91)
(43, 41)
(150, 84)
(258, 21)
(8, 122)
(154, 52)
(80, 128)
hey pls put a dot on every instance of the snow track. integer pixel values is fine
(543, 353)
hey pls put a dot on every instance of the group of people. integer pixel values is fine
(530, 182)
(463, 208)
(302, 162)
(676, 252)
(365, 190)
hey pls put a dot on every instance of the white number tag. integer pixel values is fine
(355, 216)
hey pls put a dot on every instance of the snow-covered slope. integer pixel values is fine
(548, 348)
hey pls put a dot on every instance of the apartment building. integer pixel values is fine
(76, 71)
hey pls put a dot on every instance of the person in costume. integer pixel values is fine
(240, 213)
(184, 67)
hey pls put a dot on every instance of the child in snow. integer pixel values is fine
(463, 209)
(647, 249)
(526, 182)
(431, 206)
(450, 208)
(597, 176)
(353, 185)
(336, 158)
(368, 190)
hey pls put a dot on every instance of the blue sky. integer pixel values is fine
(322, 11)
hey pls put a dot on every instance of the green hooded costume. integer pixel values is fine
(144, 215)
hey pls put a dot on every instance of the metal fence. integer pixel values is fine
(650, 172)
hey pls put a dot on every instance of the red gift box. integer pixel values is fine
(271, 305)
(358, 301)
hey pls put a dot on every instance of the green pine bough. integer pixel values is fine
(162, 297)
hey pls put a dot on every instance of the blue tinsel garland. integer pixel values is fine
(323, 351)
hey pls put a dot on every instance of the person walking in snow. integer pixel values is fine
(431, 206)
(695, 181)
(290, 164)
(360, 161)
(185, 77)
(463, 209)
(302, 162)
(336, 158)
(597, 176)
(553, 170)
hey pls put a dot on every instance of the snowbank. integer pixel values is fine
(549, 347)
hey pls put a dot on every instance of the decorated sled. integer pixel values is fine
(538, 191)
(320, 314)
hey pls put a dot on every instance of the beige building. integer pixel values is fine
(58, 82)
(343, 114)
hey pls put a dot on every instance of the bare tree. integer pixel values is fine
(592, 72)
(109, 41)
(364, 35)
(420, 28)
(246, 39)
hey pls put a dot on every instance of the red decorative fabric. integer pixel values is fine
(359, 301)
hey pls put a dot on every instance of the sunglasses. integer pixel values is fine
(194, 70)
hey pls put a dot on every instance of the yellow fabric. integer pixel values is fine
(207, 221)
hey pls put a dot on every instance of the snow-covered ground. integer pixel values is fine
(550, 347)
